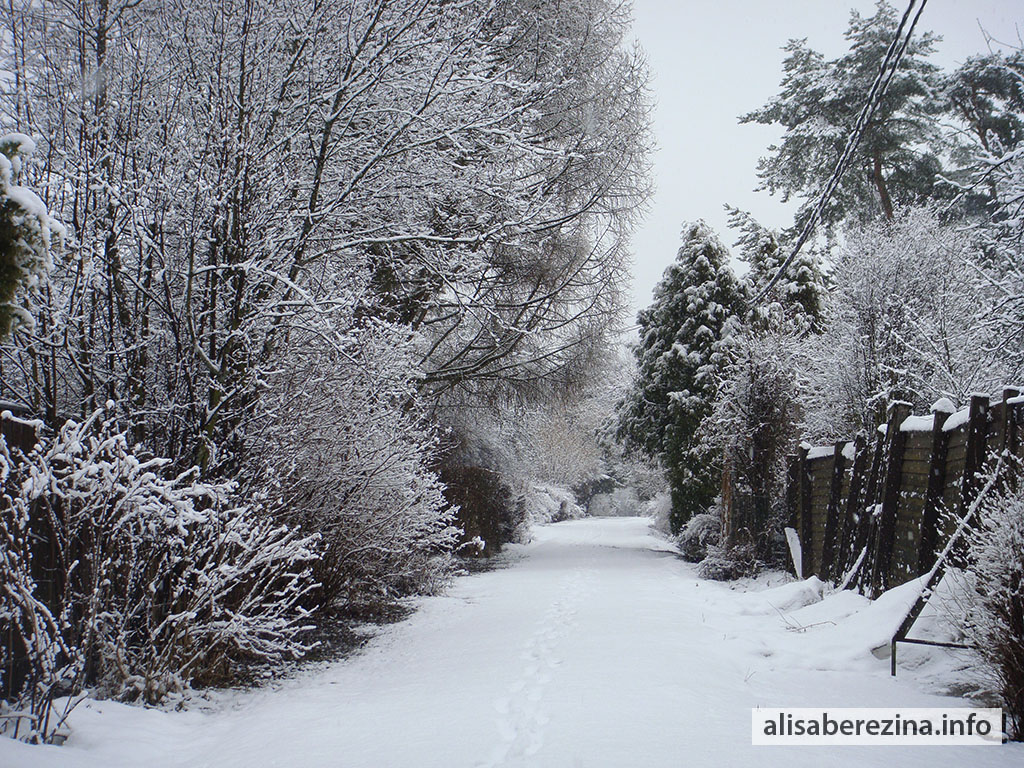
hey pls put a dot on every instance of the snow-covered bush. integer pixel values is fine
(31, 631)
(153, 581)
(698, 535)
(727, 563)
(619, 502)
(753, 426)
(349, 457)
(995, 615)
(659, 509)
(492, 507)
(551, 504)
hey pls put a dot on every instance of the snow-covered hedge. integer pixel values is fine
(117, 576)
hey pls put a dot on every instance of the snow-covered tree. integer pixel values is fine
(985, 93)
(697, 304)
(753, 427)
(900, 154)
(26, 230)
(250, 185)
(346, 452)
(796, 300)
(905, 320)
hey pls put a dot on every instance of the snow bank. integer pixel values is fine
(840, 631)
(787, 597)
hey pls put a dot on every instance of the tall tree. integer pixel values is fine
(696, 306)
(899, 157)
(986, 93)
(796, 300)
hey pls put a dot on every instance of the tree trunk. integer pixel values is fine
(883, 193)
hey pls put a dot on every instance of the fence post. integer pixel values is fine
(1008, 425)
(895, 441)
(977, 434)
(1012, 446)
(936, 487)
(793, 495)
(806, 514)
(851, 518)
(835, 490)
(868, 526)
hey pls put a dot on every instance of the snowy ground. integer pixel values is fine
(596, 647)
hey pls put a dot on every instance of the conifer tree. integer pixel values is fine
(696, 307)
(796, 301)
(25, 231)
(897, 160)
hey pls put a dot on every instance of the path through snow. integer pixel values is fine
(596, 647)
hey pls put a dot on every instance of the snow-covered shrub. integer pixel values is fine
(349, 457)
(698, 535)
(659, 509)
(727, 563)
(620, 502)
(154, 581)
(492, 508)
(753, 427)
(30, 631)
(551, 504)
(995, 616)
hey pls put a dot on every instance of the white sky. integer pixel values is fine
(713, 60)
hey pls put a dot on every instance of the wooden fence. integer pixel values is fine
(871, 513)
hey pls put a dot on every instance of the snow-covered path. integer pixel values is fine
(596, 647)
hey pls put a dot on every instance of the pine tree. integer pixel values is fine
(987, 93)
(897, 160)
(696, 306)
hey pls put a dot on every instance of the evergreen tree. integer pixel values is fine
(696, 307)
(796, 301)
(897, 160)
(25, 230)
(987, 93)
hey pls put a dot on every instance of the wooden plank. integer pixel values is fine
(828, 543)
(896, 440)
(977, 433)
(868, 525)
(933, 501)
(806, 538)
(853, 508)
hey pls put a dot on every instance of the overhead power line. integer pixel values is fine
(886, 72)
